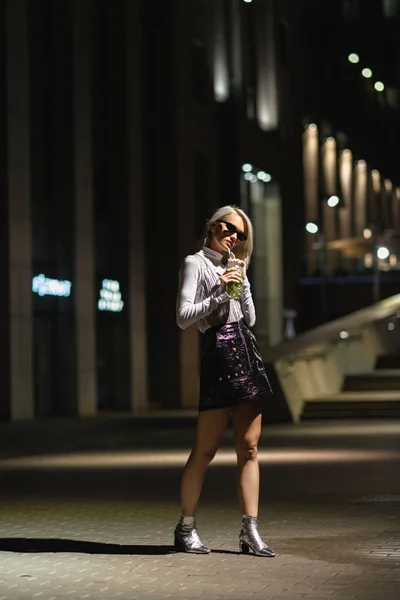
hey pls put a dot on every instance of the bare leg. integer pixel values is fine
(247, 428)
(211, 425)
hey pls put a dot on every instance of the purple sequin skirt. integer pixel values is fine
(232, 370)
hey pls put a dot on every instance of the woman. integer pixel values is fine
(233, 380)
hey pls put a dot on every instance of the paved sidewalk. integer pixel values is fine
(98, 524)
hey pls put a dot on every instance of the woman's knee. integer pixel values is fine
(205, 454)
(247, 451)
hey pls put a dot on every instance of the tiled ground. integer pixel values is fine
(98, 524)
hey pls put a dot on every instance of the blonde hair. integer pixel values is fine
(243, 250)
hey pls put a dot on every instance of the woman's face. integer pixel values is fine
(221, 238)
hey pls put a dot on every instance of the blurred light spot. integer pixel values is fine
(393, 260)
(379, 86)
(382, 253)
(367, 73)
(353, 58)
(263, 176)
(368, 260)
(333, 201)
(312, 227)
(367, 233)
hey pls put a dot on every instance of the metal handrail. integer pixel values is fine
(330, 332)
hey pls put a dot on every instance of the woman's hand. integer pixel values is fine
(230, 275)
(233, 275)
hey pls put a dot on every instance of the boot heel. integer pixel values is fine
(244, 549)
(250, 540)
(178, 544)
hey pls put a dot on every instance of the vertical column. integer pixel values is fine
(19, 223)
(5, 393)
(311, 184)
(396, 209)
(137, 282)
(273, 234)
(267, 93)
(376, 195)
(346, 180)
(329, 167)
(237, 62)
(60, 176)
(387, 204)
(220, 59)
(84, 237)
(266, 210)
(360, 197)
(259, 263)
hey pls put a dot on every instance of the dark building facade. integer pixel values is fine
(73, 314)
(123, 125)
(351, 169)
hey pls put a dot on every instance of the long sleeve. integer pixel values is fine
(188, 311)
(247, 304)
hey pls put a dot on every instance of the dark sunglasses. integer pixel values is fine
(242, 237)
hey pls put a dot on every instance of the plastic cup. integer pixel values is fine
(235, 288)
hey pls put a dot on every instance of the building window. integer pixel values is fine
(351, 10)
(391, 8)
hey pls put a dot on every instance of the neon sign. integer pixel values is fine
(110, 296)
(44, 286)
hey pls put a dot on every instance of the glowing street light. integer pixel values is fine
(333, 201)
(379, 86)
(263, 176)
(367, 73)
(250, 177)
(353, 58)
(247, 167)
(312, 227)
(382, 253)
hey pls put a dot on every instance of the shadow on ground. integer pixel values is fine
(65, 546)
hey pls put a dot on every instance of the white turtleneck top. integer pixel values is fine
(201, 299)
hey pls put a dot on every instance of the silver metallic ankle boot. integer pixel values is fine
(249, 539)
(187, 540)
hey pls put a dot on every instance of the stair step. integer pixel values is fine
(356, 413)
(388, 361)
(385, 379)
(360, 396)
(348, 405)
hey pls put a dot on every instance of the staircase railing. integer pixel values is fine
(315, 363)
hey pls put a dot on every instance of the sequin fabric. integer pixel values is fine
(232, 370)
